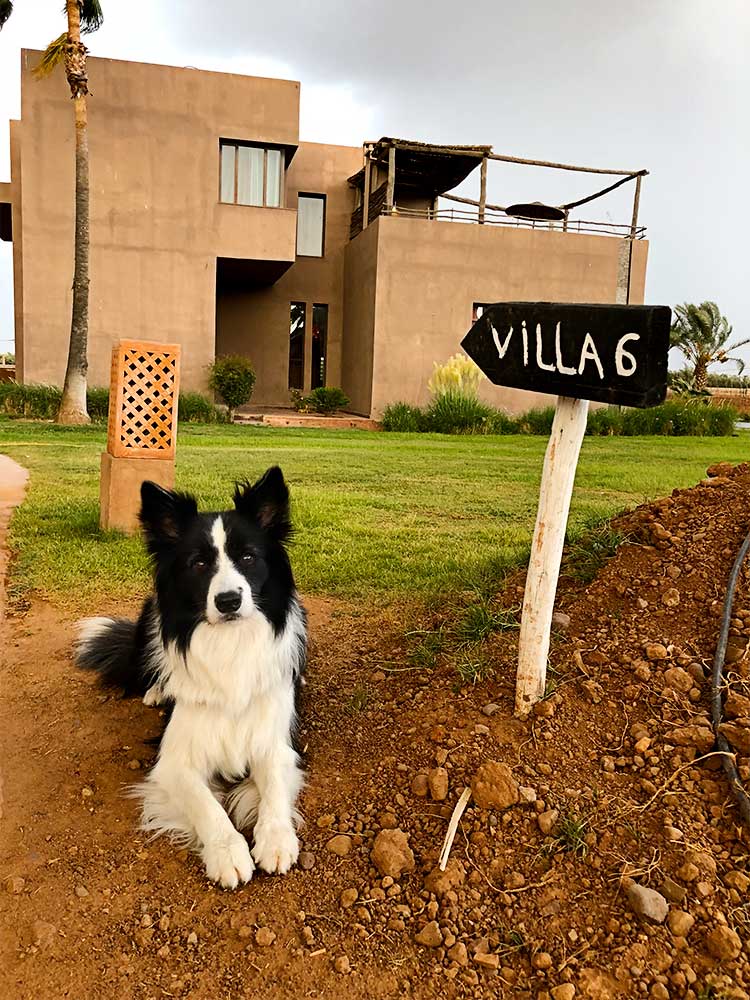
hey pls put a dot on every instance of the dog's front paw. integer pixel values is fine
(276, 846)
(154, 695)
(228, 862)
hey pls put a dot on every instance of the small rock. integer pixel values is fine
(672, 891)
(306, 860)
(688, 872)
(430, 935)
(678, 679)
(514, 880)
(494, 787)
(547, 820)
(737, 735)
(700, 737)
(340, 845)
(134, 765)
(671, 598)
(680, 922)
(490, 709)
(737, 880)
(565, 991)
(391, 853)
(348, 898)
(458, 954)
(560, 621)
(490, 962)
(81, 891)
(526, 795)
(341, 965)
(442, 882)
(542, 961)
(245, 932)
(43, 933)
(192, 938)
(264, 937)
(593, 690)
(723, 943)
(437, 780)
(419, 785)
(163, 952)
(14, 884)
(647, 903)
(656, 651)
(481, 730)
(737, 705)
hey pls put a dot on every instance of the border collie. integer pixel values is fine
(221, 642)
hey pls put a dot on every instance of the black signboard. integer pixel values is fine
(607, 353)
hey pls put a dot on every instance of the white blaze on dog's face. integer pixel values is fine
(230, 594)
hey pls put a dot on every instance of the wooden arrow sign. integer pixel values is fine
(607, 353)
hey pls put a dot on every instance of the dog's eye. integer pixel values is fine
(248, 558)
(197, 563)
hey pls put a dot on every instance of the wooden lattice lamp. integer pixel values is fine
(142, 430)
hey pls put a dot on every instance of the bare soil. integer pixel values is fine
(618, 789)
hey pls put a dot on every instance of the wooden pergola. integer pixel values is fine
(430, 171)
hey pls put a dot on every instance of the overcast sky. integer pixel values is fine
(660, 84)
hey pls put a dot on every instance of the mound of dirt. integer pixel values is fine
(605, 857)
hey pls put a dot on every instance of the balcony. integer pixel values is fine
(262, 239)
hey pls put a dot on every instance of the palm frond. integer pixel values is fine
(52, 56)
(92, 17)
(6, 9)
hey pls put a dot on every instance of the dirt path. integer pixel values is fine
(604, 792)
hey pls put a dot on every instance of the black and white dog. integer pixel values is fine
(222, 642)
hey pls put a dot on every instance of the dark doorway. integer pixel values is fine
(297, 345)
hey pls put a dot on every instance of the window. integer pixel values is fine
(297, 345)
(319, 345)
(251, 175)
(311, 210)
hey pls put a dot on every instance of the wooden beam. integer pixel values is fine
(366, 193)
(482, 190)
(565, 166)
(472, 201)
(636, 204)
(390, 191)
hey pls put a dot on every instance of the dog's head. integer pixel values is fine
(220, 567)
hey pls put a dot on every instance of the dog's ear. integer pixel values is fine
(164, 514)
(266, 502)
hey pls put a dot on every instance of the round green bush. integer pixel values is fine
(232, 378)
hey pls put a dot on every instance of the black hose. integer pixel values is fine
(728, 757)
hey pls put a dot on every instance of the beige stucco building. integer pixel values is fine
(213, 226)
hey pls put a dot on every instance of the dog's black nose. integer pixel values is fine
(228, 602)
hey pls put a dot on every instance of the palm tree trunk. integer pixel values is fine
(73, 406)
(700, 374)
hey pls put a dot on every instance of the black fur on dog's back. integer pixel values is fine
(117, 650)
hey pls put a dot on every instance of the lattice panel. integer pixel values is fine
(143, 397)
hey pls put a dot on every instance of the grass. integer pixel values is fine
(588, 553)
(378, 517)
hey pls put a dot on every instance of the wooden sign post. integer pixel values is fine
(607, 353)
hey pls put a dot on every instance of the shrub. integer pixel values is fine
(680, 418)
(454, 412)
(37, 401)
(326, 399)
(195, 408)
(458, 374)
(536, 421)
(297, 400)
(501, 423)
(97, 403)
(603, 423)
(403, 417)
(233, 379)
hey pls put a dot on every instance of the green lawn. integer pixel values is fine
(378, 516)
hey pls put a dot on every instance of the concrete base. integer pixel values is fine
(120, 488)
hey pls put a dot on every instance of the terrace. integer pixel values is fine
(414, 180)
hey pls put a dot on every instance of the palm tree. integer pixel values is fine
(701, 333)
(84, 16)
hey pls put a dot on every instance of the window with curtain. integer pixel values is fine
(251, 175)
(311, 211)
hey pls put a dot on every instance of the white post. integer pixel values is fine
(560, 460)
